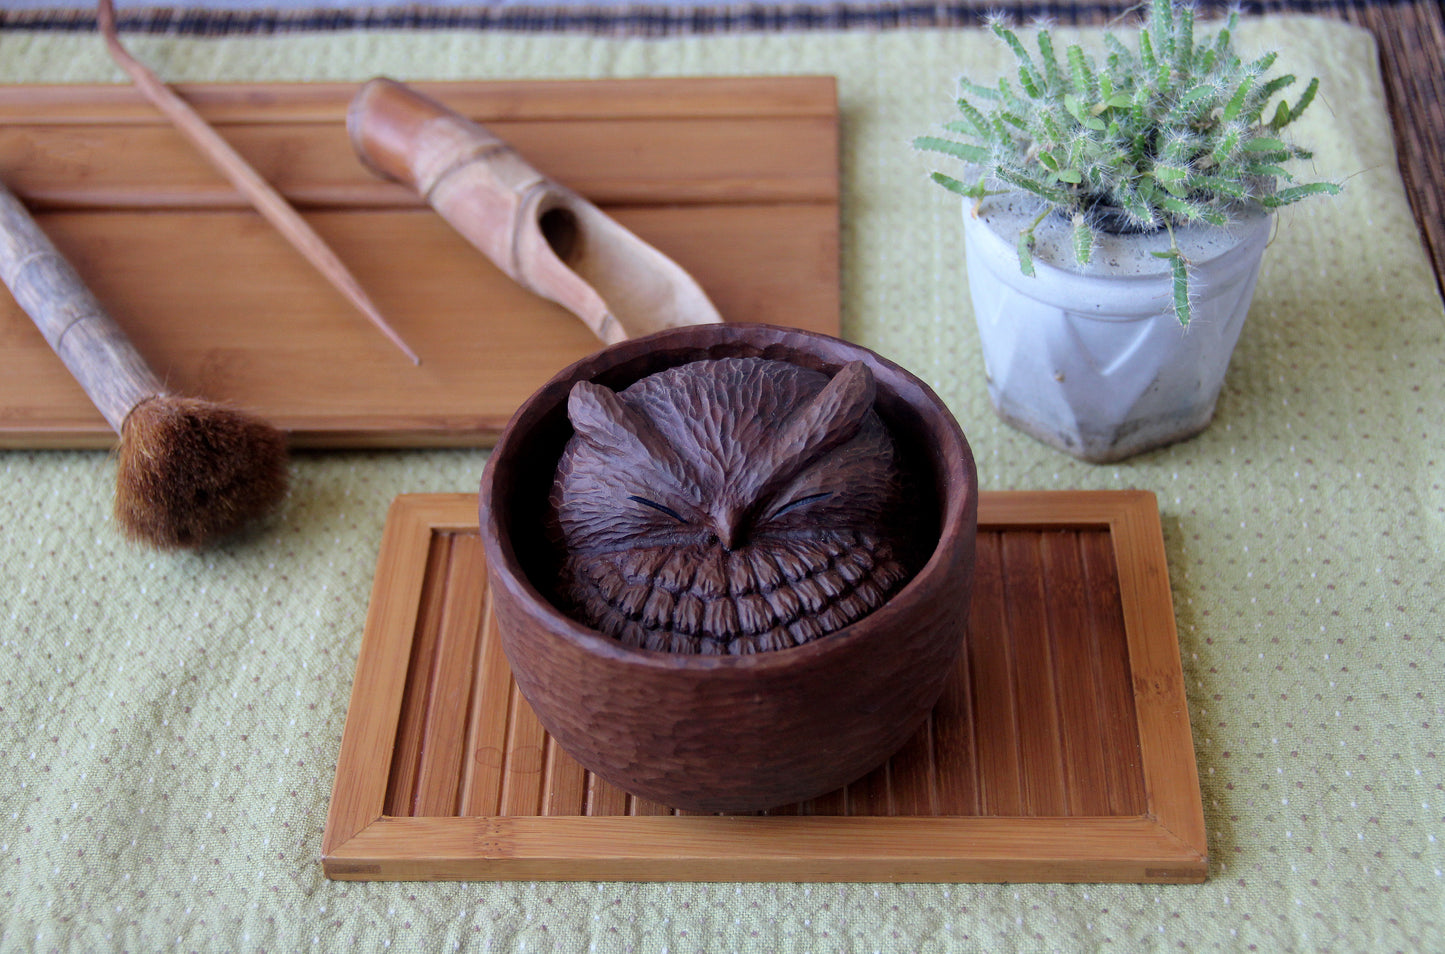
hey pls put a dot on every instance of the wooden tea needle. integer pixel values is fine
(257, 190)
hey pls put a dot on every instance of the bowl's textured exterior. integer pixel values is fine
(733, 733)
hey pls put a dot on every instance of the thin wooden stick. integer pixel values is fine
(257, 190)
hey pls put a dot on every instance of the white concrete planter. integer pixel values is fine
(1095, 363)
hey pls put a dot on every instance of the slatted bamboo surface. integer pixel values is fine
(735, 179)
(1060, 749)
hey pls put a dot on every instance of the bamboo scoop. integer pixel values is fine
(257, 190)
(187, 471)
(541, 234)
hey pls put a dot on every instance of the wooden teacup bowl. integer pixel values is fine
(733, 733)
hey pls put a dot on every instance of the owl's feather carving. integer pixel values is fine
(727, 506)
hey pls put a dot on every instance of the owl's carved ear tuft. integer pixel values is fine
(626, 435)
(833, 416)
(828, 421)
(599, 416)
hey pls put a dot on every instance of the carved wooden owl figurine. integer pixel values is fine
(727, 506)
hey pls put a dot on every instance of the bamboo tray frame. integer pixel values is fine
(735, 178)
(1074, 782)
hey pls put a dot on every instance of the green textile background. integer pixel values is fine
(169, 724)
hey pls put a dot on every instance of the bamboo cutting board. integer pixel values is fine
(1060, 750)
(735, 179)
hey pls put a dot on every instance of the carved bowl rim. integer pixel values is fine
(958, 500)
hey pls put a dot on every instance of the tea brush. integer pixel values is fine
(189, 471)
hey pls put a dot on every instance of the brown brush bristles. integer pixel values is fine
(190, 471)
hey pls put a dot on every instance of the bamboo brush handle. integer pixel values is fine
(94, 348)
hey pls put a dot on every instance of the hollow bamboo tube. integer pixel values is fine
(541, 234)
(93, 347)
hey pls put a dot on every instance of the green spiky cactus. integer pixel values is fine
(1167, 132)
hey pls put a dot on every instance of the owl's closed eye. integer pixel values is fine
(727, 506)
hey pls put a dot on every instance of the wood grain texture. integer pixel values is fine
(735, 180)
(513, 100)
(443, 734)
(1121, 799)
(994, 713)
(406, 760)
(1073, 650)
(487, 731)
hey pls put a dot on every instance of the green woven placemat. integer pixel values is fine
(169, 724)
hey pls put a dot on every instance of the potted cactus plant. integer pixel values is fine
(1120, 208)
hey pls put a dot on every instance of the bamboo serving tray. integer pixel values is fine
(736, 179)
(1060, 751)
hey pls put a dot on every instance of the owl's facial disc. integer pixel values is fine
(733, 505)
(739, 525)
(725, 527)
(732, 525)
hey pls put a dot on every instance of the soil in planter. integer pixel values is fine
(1122, 253)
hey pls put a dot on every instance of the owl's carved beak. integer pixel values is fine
(731, 526)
